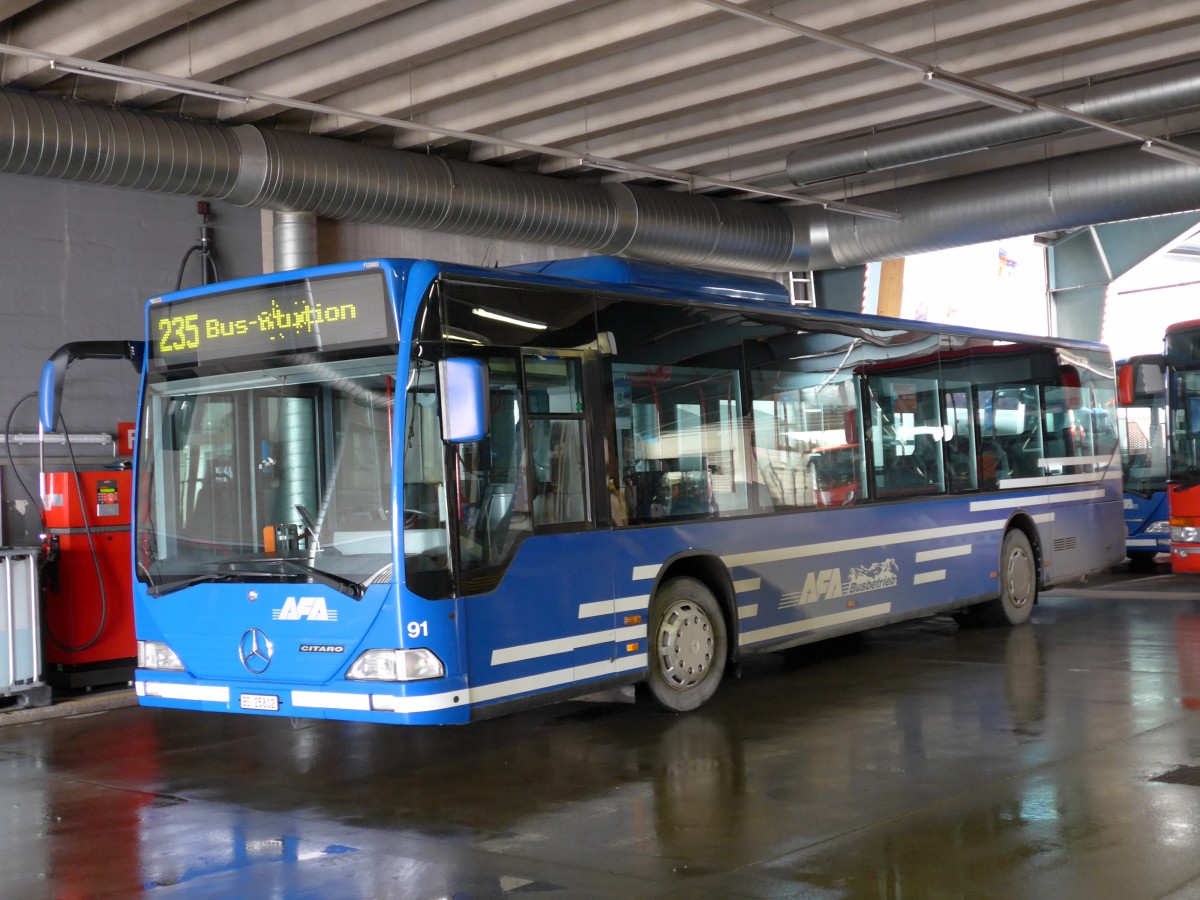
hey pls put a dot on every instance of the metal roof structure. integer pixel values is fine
(796, 104)
(627, 90)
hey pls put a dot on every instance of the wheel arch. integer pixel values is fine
(1023, 521)
(709, 570)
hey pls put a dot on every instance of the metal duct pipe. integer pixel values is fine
(95, 144)
(1141, 96)
(47, 136)
(338, 180)
(1068, 192)
(41, 135)
(296, 459)
(294, 240)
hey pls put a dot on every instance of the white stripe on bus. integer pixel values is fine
(567, 644)
(943, 553)
(611, 607)
(839, 618)
(757, 557)
(481, 694)
(331, 700)
(1047, 480)
(746, 585)
(781, 554)
(1014, 502)
(749, 611)
(167, 690)
(927, 577)
(1047, 462)
(559, 677)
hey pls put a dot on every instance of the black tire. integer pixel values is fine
(688, 645)
(1018, 583)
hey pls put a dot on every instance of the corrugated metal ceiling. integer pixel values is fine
(668, 88)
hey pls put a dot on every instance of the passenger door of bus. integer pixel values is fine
(561, 392)
(525, 497)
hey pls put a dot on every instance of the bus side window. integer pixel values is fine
(807, 449)
(907, 435)
(554, 395)
(494, 501)
(961, 470)
(679, 441)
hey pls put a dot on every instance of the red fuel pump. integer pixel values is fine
(88, 611)
(87, 573)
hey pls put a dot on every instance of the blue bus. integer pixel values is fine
(1144, 424)
(411, 492)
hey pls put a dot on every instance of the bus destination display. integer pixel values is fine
(302, 316)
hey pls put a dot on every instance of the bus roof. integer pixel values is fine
(651, 280)
(612, 270)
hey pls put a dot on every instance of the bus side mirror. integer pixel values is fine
(463, 392)
(1140, 375)
(1125, 386)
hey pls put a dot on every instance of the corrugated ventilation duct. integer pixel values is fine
(1068, 192)
(53, 138)
(1153, 94)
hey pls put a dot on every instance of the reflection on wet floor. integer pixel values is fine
(917, 761)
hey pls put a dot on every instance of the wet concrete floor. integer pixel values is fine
(1060, 760)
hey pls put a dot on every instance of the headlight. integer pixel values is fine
(1162, 526)
(1188, 534)
(396, 665)
(156, 655)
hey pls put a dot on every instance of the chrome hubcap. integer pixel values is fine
(685, 645)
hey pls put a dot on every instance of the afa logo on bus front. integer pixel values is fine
(313, 609)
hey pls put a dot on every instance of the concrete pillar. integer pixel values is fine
(891, 287)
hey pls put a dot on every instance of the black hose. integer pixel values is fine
(87, 529)
(37, 505)
(183, 265)
(8, 449)
(209, 273)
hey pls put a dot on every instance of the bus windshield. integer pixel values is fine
(278, 473)
(1142, 427)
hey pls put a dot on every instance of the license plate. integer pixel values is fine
(267, 702)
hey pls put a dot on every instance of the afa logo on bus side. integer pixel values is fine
(313, 609)
(828, 583)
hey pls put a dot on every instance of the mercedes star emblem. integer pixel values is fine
(255, 651)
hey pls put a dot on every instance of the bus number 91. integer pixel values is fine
(418, 629)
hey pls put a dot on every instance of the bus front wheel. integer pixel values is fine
(688, 645)
(1018, 582)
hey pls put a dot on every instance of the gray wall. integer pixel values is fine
(78, 262)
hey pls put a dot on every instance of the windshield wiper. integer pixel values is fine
(347, 586)
(262, 566)
(170, 587)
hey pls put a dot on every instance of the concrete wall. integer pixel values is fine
(78, 262)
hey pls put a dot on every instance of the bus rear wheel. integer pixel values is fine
(688, 645)
(1018, 583)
